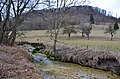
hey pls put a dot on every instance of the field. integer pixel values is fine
(98, 40)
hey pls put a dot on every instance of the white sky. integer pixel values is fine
(109, 5)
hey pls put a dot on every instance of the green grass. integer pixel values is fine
(35, 32)
(95, 44)
(98, 40)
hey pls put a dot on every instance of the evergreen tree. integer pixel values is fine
(91, 19)
(116, 26)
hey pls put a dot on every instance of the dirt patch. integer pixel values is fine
(15, 63)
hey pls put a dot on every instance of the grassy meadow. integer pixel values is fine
(98, 40)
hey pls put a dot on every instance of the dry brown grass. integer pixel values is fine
(15, 63)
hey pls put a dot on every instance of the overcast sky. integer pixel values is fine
(109, 5)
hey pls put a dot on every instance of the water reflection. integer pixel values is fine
(62, 70)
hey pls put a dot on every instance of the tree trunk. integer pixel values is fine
(13, 38)
(88, 36)
(55, 42)
(69, 34)
(0, 17)
(13, 35)
(83, 34)
(51, 35)
(111, 37)
(2, 37)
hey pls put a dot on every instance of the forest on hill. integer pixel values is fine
(37, 19)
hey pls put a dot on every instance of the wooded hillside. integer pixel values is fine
(79, 14)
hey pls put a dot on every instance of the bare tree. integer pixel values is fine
(111, 30)
(10, 17)
(86, 29)
(60, 14)
(69, 30)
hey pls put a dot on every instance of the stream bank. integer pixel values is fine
(104, 60)
(50, 69)
(63, 70)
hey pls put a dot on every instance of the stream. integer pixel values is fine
(62, 70)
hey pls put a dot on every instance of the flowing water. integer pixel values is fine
(62, 70)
